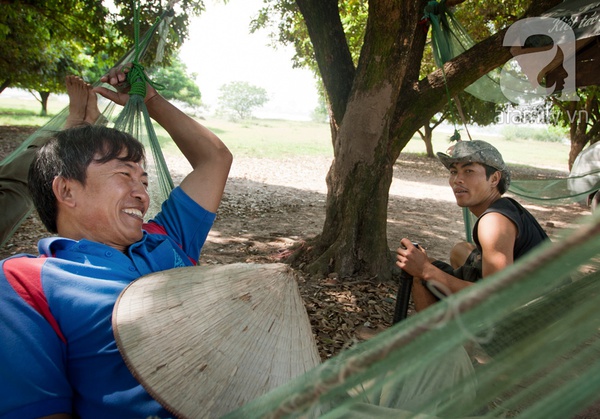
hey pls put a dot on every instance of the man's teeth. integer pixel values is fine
(134, 212)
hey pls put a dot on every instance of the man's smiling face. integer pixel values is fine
(110, 207)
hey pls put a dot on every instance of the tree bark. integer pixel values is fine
(331, 51)
(4, 85)
(44, 101)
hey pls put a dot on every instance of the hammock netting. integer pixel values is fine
(133, 119)
(522, 343)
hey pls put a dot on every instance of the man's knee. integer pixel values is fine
(459, 253)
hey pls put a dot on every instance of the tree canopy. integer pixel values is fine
(239, 99)
(41, 38)
(178, 83)
(41, 41)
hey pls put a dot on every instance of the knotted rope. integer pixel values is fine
(136, 76)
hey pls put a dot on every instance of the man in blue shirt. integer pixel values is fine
(58, 356)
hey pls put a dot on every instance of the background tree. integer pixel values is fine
(377, 103)
(238, 99)
(41, 41)
(319, 114)
(582, 118)
(179, 84)
(473, 110)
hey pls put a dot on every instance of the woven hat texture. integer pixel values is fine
(475, 151)
(205, 340)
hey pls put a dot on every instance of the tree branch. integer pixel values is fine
(331, 50)
(463, 70)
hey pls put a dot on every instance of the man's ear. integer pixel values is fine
(495, 178)
(63, 191)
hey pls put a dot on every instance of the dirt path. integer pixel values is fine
(270, 205)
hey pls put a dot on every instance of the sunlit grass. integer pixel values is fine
(279, 139)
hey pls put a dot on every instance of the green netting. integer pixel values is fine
(522, 343)
(133, 118)
(583, 181)
(555, 191)
(450, 39)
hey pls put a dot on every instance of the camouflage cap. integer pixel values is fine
(476, 152)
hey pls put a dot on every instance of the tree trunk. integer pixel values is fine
(354, 237)
(578, 141)
(44, 101)
(4, 85)
(584, 123)
(427, 136)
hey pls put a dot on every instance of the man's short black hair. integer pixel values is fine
(68, 153)
(489, 171)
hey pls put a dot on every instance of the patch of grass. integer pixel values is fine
(545, 134)
(17, 111)
(279, 139)
(543, 154)
(273, 138)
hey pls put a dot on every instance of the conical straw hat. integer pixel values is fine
(205, 340)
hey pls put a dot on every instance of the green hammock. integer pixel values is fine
(133, 118)
(531, 332)
(450, 39)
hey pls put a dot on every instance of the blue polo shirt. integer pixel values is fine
(57, 351)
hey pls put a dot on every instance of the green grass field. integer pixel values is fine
(284, 139)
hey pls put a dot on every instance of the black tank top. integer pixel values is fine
(529, 231)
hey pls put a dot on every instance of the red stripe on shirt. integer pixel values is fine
(154, 228)
(24, 275)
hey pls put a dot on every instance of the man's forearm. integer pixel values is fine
(207, 154)
(197, 143)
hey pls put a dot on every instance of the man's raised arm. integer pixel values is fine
(209, 157)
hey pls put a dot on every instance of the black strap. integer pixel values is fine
(403, 297)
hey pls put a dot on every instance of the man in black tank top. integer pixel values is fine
(504, 230)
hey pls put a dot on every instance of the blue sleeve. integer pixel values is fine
(185, 221)
(33, 377)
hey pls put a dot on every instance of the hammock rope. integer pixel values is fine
(435, 13)
(134, 118)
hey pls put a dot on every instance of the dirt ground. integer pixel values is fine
(271, 205)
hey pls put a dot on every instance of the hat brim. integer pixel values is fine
(205, 340)
(448, 161)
